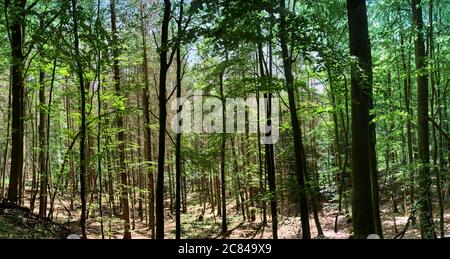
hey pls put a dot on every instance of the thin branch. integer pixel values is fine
(444, 134)
(28, 9)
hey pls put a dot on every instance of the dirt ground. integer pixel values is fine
(209, 226)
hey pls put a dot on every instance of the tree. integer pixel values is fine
(425, 211)
(164, 66)
(147, 131)
(42, 147)
(79, 70)
(364, 215)
(300, 166)
(178, 135)
(17, 23)
(120, 124)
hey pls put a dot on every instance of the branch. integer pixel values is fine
(445, 134)
(28, 9)
(156, 41)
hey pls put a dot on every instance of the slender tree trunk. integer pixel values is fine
(120, 125)
(147, 132)
(222, 155)
(99, 124)
(184, 192)
(162, 120)
(435, 98)
(83, 119)
(260, 65)
(316, 190)
(42, 147)
(178, 135)
(34, 181)
(5, 153)
(300, 167)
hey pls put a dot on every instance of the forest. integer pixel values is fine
(224, 119)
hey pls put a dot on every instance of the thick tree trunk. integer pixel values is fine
(17, 24)
(425, 209)
(364, 176)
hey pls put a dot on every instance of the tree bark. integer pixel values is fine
(364, 176)
(300, 167)
(162, 120)
(17, 40)
(120, 125)
(178, 136)
(42, 147)
(425, 210)
(147, 133)
(79, 68)
(222, 155)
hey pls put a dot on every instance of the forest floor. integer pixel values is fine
(20, 223)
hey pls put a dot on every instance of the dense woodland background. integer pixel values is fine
(364, 118)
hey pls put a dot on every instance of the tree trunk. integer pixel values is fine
(300, 167)
(222, 155)
(435, 98)
(83, 120)
(178, 135)
(425, 210)
(162, 120)
(260, 65)
(147, 132)
(120, 125)
(407, 99)
(42, 147)
(17, 24)
(364, 178)
(5, 153)
(316, 188)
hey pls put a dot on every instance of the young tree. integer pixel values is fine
(147, 131)
(120, 124)
(79, 70)
(300, 162)
(178, 135)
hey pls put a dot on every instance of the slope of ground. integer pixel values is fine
(19, 223)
